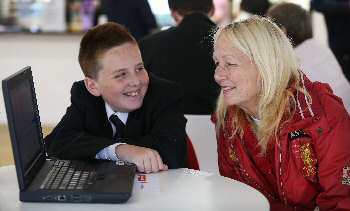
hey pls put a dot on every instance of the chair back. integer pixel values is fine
(201, 131)
(192, 156)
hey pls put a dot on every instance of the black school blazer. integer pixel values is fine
(158, 124)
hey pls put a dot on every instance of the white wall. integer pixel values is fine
(54, 62)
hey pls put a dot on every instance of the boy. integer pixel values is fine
(117, 86)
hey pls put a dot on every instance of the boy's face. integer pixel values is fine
(122, 81)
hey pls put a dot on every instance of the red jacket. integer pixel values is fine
(311, 168)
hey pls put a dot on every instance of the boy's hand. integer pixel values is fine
(146, 160)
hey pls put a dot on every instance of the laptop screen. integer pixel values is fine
(23, 116)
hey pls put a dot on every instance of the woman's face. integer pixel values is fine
(237, 76)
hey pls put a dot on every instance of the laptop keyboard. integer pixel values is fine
(71, 175)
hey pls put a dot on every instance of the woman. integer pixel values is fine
(278, 132)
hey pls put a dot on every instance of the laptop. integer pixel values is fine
(44, 179)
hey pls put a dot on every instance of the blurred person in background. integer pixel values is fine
(183, 54)
(276, 130)
(337, 16)
(255, 7)
(223, 12)
(316, 60)
(252, 7)
(136, 15)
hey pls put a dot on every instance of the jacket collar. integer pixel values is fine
(196, 16)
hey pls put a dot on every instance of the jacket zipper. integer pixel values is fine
(251, 180)
(281, 183)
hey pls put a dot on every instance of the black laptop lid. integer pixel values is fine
(24, 125)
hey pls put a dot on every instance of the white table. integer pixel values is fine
(180, 190)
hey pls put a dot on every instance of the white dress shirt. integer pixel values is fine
(108, 153)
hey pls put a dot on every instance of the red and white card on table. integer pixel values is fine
(146, 182)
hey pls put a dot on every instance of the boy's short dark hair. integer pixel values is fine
(96, 41)
(184, 7)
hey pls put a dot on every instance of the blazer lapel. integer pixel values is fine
(102, 121)
(133, 125)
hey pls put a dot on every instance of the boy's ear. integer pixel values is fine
(91, 86)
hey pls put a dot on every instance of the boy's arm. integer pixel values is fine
(69, 139)
(168, 130)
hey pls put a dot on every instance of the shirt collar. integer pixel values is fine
(122, 116)
(256, 121)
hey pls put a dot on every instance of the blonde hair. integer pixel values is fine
(272, 54)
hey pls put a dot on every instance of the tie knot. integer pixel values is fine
(119, 125)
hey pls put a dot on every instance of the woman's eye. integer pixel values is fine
(231, 64)
(216, 64)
